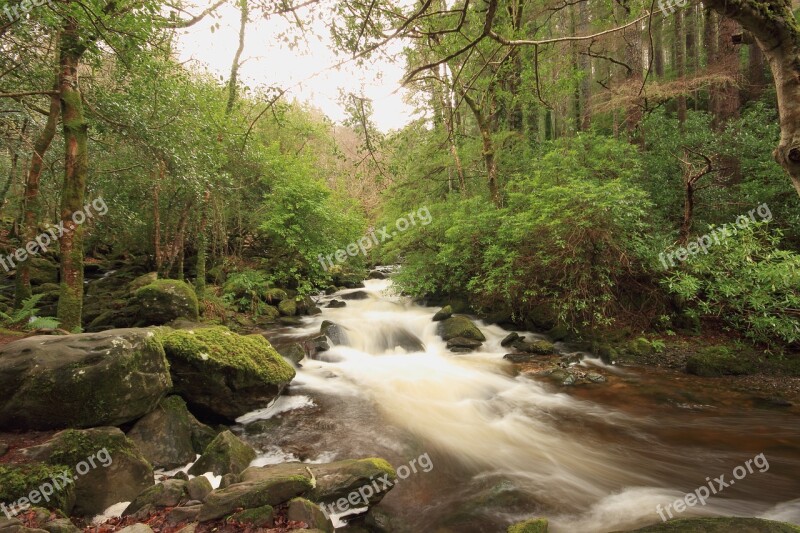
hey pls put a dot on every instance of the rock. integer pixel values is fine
(534, 347)
(86, 380)
(226, 454)
(136, 528)
(142, 281)
(293, 352)
(357, 295)
(536, 525)
(165, 300)
(336, 333)
(181, 475)
(715, 361)
(228, 480)
(115, 469)
(443, 314)
(460, 344)
(288, 308)
(510, 339)
(263, 516)
(290, 321)
(274, 296)
(198, 488)
(179, 515)
(302, 510)
(378, 521)
(518, 358)
(459, 326)
(320, 344)
(252, 495)
(223, 375)
(376, 274)
(61, 525)
(397, 337)
(594, 377)
(336, 304)
(188, 529)
(718, 525)
(333, 480)
(170, 493)
(169, 436)
(18, 481)
(559, 333)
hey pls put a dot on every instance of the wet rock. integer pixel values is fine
(519, 357)
(459, 326)
(223, 375)
(336, 304)
(227, 454)
(536, 525)
(594, 377)
(336, 333)
(376, 274)
(86, 380)
(288, 308)
(462, 345)
(357, 295)
(398, 337)
(170, 436)
(302, 510)
(292, 321)
(538, 347)
(170, 493)
(510, 339)
(119, 474)
(443, 314)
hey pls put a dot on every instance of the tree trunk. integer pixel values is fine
(232, 83)
(76, 159)
(32, 214)
(488, 148)
(776, 30)
(680, 65)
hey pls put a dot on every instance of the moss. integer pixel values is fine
(381, 464)
(459, 326)
(717, 361)
(275, 295)
(70, 307)
(73, 446)
(536, 525)
(258, 517)
(169, 299)
(17, 481)
(288, 307)
(220, 347)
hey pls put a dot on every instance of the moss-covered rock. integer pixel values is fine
(253, 495)
(165, 300)
(719, 525)
(85, 380)
(536, 525)
(443, 314)
(302, 510)
(275, 296)
(288, 308)
(142, 281)
(717, 361)
(109, 467)
(170, 436)
(536, 347)
(223, 375)
(170, 493)
(18, 481)
(459, 326)
(259, 517)
(227, 454)
(293, 352)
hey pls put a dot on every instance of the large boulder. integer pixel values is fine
(336, 333)
(459, 326)
(171, 436)
(252, 495)
(86, 380)
(223, 375)
(302, 510)
(107, 465)
(226, 454)
(20, 481)
(165, 300)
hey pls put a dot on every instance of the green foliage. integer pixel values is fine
(748, 282)
(27, 315)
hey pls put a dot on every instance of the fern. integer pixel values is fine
(24, 313)
(43, 322)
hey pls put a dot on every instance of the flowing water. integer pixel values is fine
(507, 447)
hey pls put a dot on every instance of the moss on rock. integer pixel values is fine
(459, 326)
(165, 300)
(536, 525)
(717, 361)
(18, 481)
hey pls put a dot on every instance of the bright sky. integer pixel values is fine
(268, 61)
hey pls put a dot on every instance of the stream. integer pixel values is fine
(498, 447)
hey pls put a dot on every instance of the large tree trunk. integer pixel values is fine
(484, 126)
(32, 212)
(680, 65)
(776, 30)
(76, 160)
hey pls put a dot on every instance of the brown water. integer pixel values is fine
(504, 448)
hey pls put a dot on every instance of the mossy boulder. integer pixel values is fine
(253, 495)
(223, 375)
(259, 517)
(142, 281)
(85, 380)
(288, 308)
(226, 454)
(302, 510)
(717, 361)
(170, 493)
(165, 300)
(719, 525)
(459, 326)
(536, 525)
(274, 296)
(293, 352)
(171, 436)
(109, 468)
(18, 481)
(443, 314)
(536, 347)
